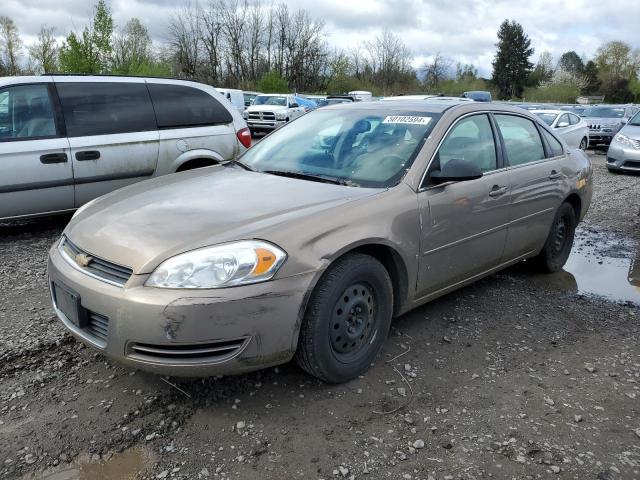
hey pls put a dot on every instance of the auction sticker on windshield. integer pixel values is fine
(407, 119)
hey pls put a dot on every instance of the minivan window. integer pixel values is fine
(472, 140)
(522, 141)
(180, 106)
(103, 108)
(26, 112)
(554, 145)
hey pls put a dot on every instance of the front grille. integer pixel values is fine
(213, 352)
(96, 266)
(262, 116)
(594, 126)
(631, 164)
(98, 325)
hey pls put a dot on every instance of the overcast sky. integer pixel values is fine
(464, 30)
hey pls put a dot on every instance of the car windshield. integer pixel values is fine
(270, 100)
(603, 112)
(547, 118)
(635, 121)
(356, 147)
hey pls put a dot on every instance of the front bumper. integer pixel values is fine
(190, 333)
(256, 125)
(600, 138)
(623, 158)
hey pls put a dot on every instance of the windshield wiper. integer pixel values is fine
(313, 178)
(239, 163)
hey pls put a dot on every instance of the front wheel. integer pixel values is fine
(347, 319)
(558, 246)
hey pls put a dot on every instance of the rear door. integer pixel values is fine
(464, 224)
(536, 183)
(192, 124)
(36, 174)
(112, 133)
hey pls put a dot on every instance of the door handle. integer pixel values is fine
(53, 158)
(555, 175)
(497, 191)
(88, 155)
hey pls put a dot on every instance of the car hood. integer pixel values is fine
(266, 108)
(632, 131)
(141, 225)
(602, 120)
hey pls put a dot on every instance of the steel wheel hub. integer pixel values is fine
(352, 319)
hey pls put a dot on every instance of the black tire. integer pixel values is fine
(583, 144)
(347, 319)
(558, 246)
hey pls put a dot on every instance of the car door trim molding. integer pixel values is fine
(466, 239)
(116, 176)
(37, 185)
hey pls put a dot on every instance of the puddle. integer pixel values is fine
(599, 265)
(120, 466)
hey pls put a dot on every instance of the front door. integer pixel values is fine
(464, 224)
(112, 134)
(36, 175)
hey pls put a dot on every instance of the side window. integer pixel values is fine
(554, 145)
(573, 119)
(179, 106)
(102, 108)
(522, 141)
(471, 139)
(563, 121)
(26, 112)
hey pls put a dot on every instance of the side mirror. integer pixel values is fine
(624, 121)
(562, 125)
(456, 170)
(294, 105)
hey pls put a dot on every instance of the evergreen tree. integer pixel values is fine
(572, 63)
(511, 66)
(593, 84)
(89, 52)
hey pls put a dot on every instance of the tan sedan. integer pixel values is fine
(311, 242)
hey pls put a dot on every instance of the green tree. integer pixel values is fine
(617, 60)
(466, 72)
(89, 52)
(543, 71)
(273, 82)
(593, 83)
(617, 90)
(511, 66)
(131, 48)
(572, 63)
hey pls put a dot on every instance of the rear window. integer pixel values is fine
(179, 106)
(103, 108)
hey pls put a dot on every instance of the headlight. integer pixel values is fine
(226, 265)
(626, 141)
(281, 116)
(610, 125)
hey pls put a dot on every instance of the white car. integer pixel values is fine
(66, 139)
(573, 129)
(270, 111)
(236, 97)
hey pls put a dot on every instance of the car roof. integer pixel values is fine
(549, 110)
(428, 107)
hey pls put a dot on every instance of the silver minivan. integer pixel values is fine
(66, 139)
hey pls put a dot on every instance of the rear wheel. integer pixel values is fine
(557, 248)
(347, 319)
(583, 143)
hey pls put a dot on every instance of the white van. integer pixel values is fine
(361, 95)
(65, 139)
(236, 97)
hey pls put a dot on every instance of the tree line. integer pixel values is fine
(272, 47)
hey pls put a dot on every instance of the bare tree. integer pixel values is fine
(43, 53)
(388, 60)
(185, 41)
(131, 47)
(10, 46)
(436, 70)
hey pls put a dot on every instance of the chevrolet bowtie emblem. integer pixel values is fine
(83, 259)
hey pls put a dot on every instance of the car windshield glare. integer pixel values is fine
(547, 118)
(358, 147)
(270, 100)
(603, 112)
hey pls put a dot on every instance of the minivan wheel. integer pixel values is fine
(347, 319)
(583, 143)
(558, 246)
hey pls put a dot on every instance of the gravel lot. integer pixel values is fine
(518, 376)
